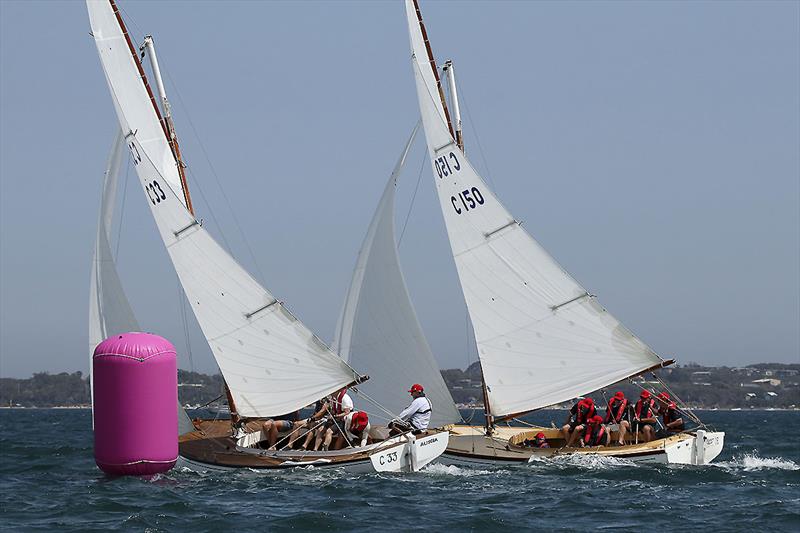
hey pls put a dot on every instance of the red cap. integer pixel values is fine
(620, 395)
(540, 435)
(645, 394)
(663, 396)
(416, 387)
(588, 401)
(596, 419)
(359, 421)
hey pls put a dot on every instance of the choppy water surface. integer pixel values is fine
(48, 481)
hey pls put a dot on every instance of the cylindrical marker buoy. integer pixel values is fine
(135, 391)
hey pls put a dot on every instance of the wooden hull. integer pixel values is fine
(470, 447)
(211, 447)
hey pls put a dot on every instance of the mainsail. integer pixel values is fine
(541, 337)
(273, 364)
(378, 330)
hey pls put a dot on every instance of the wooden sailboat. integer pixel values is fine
(271, 362)
(541, 337)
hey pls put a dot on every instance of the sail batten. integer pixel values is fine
(272, 363)
(540, 341)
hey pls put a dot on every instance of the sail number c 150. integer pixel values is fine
(468, 199)
(444, 167)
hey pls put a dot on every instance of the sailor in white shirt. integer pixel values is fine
(339, 406)
(416, 416)
(356, 429)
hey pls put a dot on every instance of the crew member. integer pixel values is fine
(644, 416)
(339, 406)
(618, 416)
(596, 433)
(416, 416)
(539, 441)
(320, 410)
(670, 416)
(576, 420)
(356, 430)
(272, 426)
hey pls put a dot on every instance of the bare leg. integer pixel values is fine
(623, 429)
(578, 431)
(318, 440)
(273, 435)
(648, 433)
(266, 427)
(295, 433)
(328, 437)
(565, 433)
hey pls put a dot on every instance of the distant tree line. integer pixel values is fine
(762, 385)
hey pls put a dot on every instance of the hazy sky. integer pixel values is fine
(660, 141)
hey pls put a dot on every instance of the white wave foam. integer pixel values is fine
(583, 460)
(437, 469)
(751, 462)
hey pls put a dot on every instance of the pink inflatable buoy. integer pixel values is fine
(135, 378)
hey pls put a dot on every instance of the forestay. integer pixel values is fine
(378, 330)
(271, 362)
(541, 338)
(110, 312)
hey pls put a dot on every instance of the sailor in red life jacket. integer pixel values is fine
(339, 406)
(596, 433)
(416, 416)
(670, 416)
(645, 416)
(356, 430)
(576, 420)
(618, 416)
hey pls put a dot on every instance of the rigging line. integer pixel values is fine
(413, 198)
(122, 206)
(477, 139)
(216, 178)
(210, 211)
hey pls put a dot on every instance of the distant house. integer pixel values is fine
(768, 381)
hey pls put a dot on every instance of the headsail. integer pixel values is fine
(378, 330)
(272, 363)
(541, 338)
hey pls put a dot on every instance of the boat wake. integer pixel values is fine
(585, 461)
(437, 469)
(751, 462)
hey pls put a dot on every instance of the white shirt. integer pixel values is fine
(418, 414)
(346, 403)
(352, 437)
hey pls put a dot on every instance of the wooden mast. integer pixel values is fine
(169, 130)
(172, 140)
(432, 63)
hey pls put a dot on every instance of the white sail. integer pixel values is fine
(541, 338)
(378, 330)
(131, 99)
(271, 362)
(110, 312)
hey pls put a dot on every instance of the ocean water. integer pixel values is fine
(48, 482)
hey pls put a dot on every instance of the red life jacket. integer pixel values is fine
(616, 410)
(584, 412)
(595, 435)
(644, 408)
(337, 403)
(671, 414)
